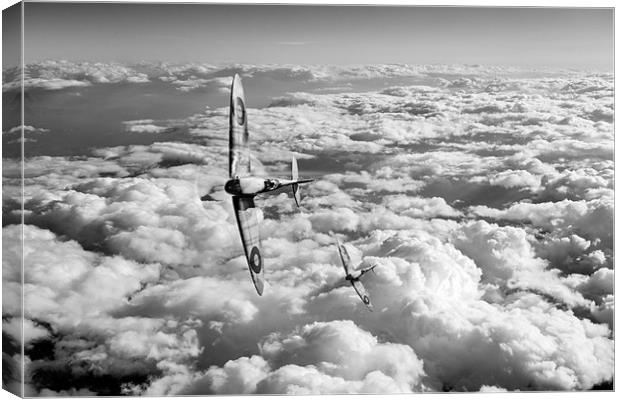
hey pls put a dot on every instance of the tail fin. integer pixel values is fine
(294, 170)
(294, 177)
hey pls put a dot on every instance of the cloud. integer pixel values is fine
(600, 283)
(144, 126)
(26, 129)
(512, 179)
(591, 219)
(170, 229)
(340, 348)
(430, 308)
(17, 326)
(57, 75)
(220, 84)
(571, 253)
(238, 376)
(506, 256)
(30, 134)
(586, 183)
(56, 268)
(44, 83)
(604, 312)
(70, 295)
(418, 207)
(334, 357)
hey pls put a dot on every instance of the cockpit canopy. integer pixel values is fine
(271, 184)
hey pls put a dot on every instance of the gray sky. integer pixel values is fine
(11, 43)
(580, 38)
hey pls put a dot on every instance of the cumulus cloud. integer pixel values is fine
(70, 295)
(332, 357)
(591, 219)
(17, 326)
(506, 256)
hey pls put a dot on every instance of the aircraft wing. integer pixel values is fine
(344, 256)
(361, 291)
(239, 149)
(247, 221)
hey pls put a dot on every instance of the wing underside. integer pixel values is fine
(247, 220)
(361, 291)
(239, 150)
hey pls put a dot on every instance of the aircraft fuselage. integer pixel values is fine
(253, 185)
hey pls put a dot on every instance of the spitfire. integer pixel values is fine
(353, 276)
(243, 186)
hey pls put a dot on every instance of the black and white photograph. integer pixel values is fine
(226, 198)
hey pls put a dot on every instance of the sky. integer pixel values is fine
(277, 34)
(11, 42)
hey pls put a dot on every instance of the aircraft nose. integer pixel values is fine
(232, 187)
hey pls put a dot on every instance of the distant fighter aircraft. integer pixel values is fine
(354, 276)
(244, 187)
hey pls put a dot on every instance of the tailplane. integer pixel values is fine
(366, 270)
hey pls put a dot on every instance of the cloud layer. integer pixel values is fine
(485, 198)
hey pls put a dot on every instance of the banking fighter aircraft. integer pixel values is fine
(353, 276)
(243, 186)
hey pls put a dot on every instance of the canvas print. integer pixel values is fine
(230, 199)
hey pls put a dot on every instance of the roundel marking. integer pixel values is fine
(240, 110)
(256, 261)
(366, 300)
